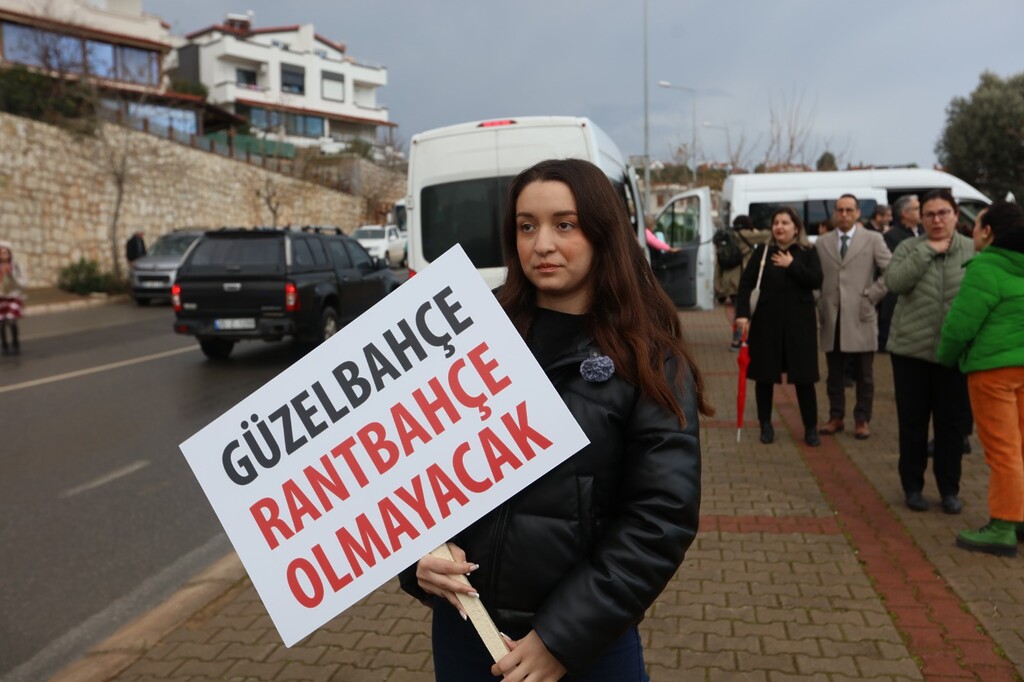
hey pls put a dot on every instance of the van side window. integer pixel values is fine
(761, 214)
(680, 223)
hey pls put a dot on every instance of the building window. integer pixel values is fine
(42, 49)
(272, 121)
(99, 59)
(314, 126)
(20, 45)
(245, 78)
(332, 86)
(138, 66)
(70, 54)
(293, 79)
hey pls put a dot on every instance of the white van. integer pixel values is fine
(813, 195)
(459, 178)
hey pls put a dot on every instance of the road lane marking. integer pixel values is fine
(107, 478)
(94, 370)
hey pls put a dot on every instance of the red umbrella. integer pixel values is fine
(743, 359)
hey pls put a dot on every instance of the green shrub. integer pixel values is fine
(85, 277)
(51, 100)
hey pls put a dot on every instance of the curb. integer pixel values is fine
(113, 655)
(62, 306)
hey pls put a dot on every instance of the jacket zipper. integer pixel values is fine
(503, 512)
(499, 536)
(942, 300)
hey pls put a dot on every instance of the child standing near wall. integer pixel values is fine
(11, 298)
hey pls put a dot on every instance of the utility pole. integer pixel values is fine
(647, 158)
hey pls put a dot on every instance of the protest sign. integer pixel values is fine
(382, 443)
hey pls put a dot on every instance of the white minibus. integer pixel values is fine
(813, 194)
(459, 178)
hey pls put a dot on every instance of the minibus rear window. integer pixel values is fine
(469, 213)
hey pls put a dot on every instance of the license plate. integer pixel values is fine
(153, 285)
(243, 323)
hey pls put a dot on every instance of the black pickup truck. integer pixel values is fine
(241, 284)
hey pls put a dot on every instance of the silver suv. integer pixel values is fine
(152, 275)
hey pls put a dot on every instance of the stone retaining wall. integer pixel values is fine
(57, 194)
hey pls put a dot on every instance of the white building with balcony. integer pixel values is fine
(113, 45)
(291, 83)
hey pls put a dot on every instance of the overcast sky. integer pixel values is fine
(872, 78)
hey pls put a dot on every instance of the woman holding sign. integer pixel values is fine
(568, 566)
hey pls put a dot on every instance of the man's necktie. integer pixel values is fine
(844, 245)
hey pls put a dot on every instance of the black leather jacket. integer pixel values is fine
(582, 553)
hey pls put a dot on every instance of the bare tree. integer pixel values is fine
(789, 132)
(740, 154)
(270, 193)
(80, 103)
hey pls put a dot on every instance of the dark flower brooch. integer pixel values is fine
(597, 368)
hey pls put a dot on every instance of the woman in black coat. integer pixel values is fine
(783, 334)
(568, 566)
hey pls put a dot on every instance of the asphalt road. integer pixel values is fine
(101, 516)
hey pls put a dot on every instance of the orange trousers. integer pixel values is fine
(997, 400)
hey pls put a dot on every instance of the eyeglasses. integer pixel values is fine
(941, 215)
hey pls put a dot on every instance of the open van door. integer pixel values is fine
(687, 275)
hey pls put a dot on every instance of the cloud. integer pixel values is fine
(879, 74)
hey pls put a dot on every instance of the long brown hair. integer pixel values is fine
(632, 319)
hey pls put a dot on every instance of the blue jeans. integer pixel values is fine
(460, 654)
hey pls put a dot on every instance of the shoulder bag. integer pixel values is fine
(755, 293)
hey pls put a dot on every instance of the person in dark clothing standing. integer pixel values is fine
(135, 248)
(569, 565)
(881, 219)
(783, 330)
(925, 272)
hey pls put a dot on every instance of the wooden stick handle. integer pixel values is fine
(478, 615)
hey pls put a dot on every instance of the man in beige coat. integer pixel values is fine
(852, 261)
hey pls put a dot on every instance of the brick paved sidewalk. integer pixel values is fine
(807, 567)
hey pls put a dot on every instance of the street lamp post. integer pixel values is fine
(693, 127)
(728, 140)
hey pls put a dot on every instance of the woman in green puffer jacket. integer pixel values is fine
(925, 273)
(984, 333)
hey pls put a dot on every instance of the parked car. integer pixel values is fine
(152, 275)
(386, 242)
(267, 283)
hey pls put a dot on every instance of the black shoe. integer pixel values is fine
(811, 436)
(767, 433)
(951, 504)
(916, 502)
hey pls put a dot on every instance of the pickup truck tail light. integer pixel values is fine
(291, 297)
(176, 297)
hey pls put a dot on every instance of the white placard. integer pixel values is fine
(414, 421)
